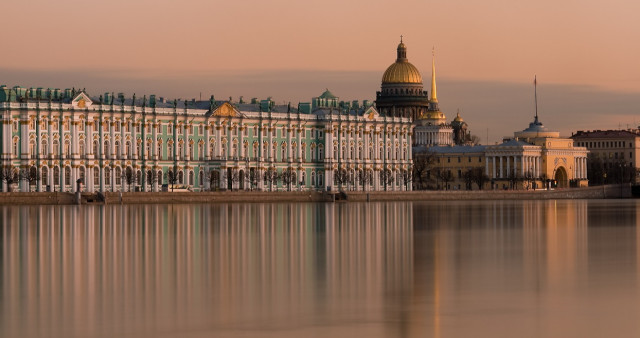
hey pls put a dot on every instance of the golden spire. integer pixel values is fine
(434, 92)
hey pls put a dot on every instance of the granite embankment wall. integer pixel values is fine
(609, 191)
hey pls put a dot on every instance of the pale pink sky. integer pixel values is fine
(584, 43)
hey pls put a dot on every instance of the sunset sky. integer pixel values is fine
(585, 53)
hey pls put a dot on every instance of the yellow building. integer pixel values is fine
(535, 158)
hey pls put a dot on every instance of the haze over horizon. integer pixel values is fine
(487, 53)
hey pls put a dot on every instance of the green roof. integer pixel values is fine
(328, 95)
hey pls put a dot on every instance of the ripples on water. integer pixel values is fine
(455, 269)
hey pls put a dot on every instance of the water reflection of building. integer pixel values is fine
(477, 261)
(122, 269)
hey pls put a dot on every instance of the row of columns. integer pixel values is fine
(503, 164)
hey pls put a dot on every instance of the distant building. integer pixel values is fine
(534, 158)
(402, 94)
(614, 155)
(111, 143)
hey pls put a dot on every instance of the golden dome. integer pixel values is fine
(402, 71)
(458, 118)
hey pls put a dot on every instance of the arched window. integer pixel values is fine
(159, 151)
(148, 148)
(96, 176)
(255, 149)
(82, 174)
(139, 147)
(212, 148)
(304, 152)
(320, 153)
(56, 176)
(313, 179)
(106, 148)
(245, 149)
(201, 178)
(32, 148)
(234, 150)
(190, 154)
(81, 147)
(180, 177)
(118, 176)
(67, 175)
(127, 148)
(191, 177)
(138, 178)
(284, 153)
(201, 151)
(95, 147)
(159, 177)
(107, 176)
(67, 148)
(170, 151)
(45, 175)
(56, 147)
(44, 147)
(117, 148)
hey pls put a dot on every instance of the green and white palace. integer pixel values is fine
(65, 140)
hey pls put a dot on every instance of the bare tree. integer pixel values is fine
(288, 176)
(364, 177)
(407, 178)
(253, 179)
(386, 177)
(468, 179)
(30, 175)
(9, 175)
(514, 177)
(129, 177)
(423, 163)
(445, 176)
(479, 177)
(341, 176)
(152, 177)
(271, 176)
(172, 177)
(213, 176)
(529, 179)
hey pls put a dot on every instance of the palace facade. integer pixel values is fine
(56, 140)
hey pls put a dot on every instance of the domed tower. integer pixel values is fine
(402, 92)
(459, 130)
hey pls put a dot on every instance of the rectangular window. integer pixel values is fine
(159, 131)
(170, 129)
(137, 127)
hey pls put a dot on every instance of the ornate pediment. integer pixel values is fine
(81, 101)
(226, 110)
(371, 113)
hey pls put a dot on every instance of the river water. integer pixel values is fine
(401, 269)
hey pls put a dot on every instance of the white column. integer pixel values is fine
(207, 144)
(299, 140)
(501, 169)
(486, 166)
